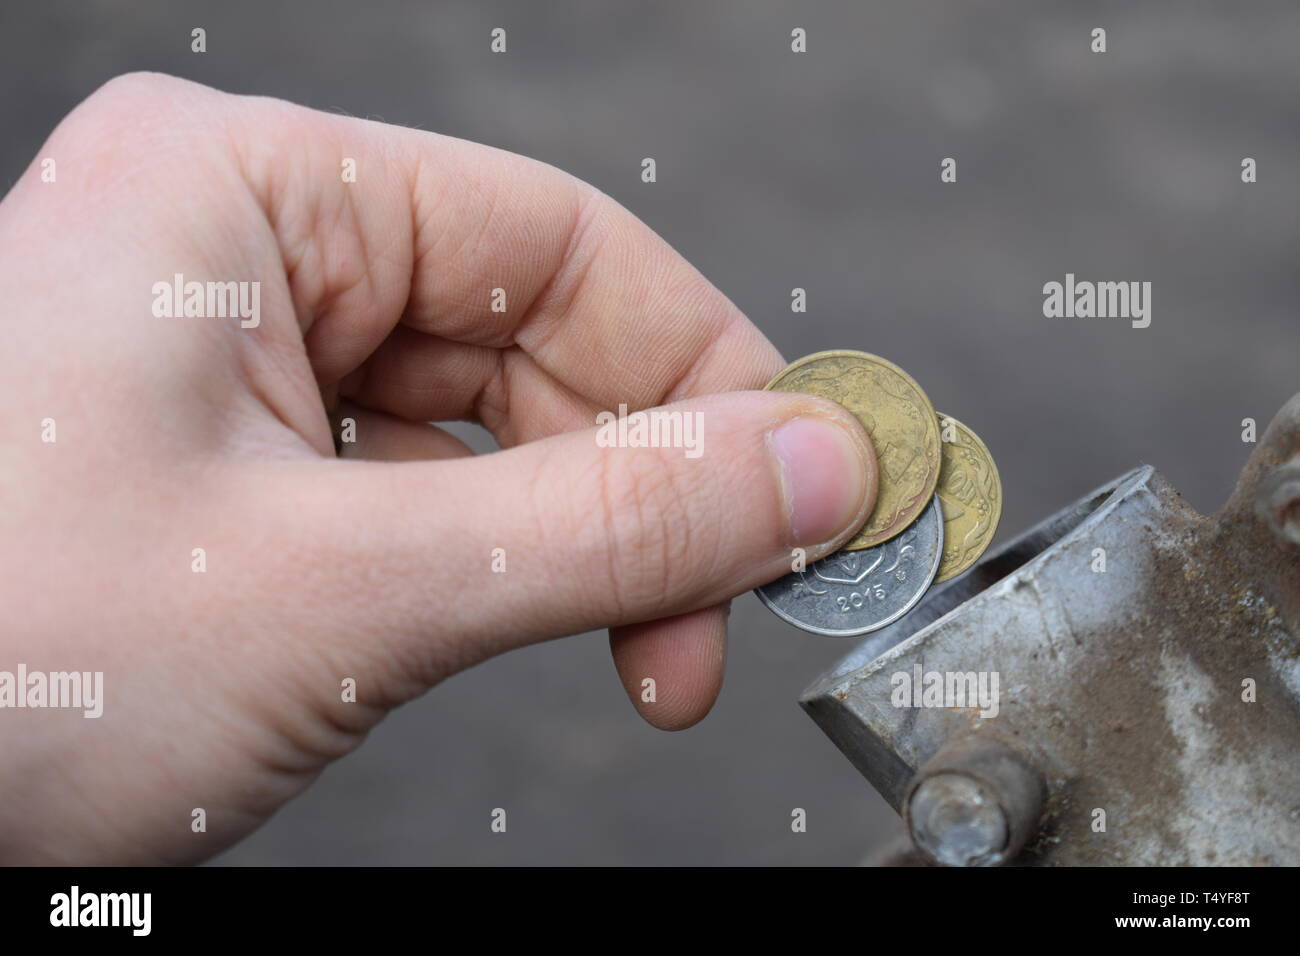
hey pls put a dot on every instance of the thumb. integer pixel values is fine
(453, 561)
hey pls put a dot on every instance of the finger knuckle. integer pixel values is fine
(137, 87)
(646, 504)
(127, 102)
(133, 124)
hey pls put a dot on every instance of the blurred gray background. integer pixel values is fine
(777, 170)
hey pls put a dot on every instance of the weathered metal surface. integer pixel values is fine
(1129, 689)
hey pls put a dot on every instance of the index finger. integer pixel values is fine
(496, 260)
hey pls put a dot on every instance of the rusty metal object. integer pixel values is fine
(1148, 669)
(975, 802)
(1278, 501)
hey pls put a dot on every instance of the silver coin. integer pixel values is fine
(855, 592)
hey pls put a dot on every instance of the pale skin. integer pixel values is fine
(223, 690)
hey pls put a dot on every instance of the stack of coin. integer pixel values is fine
(937, 507)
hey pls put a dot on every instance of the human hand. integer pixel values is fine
(223, 690)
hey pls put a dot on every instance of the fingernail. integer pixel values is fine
(827, 474)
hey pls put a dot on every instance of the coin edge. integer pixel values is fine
(933, 484)
(997, 518)
(823, 632)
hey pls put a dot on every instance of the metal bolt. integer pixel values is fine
(974, 803)
(956, 821)
(1278, 501)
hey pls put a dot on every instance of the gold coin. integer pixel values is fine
(970, 494)
(900, 420)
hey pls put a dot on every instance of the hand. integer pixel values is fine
(190, 532)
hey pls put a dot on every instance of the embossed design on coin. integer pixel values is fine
(970, 492)
(855, 592)
(902, 424)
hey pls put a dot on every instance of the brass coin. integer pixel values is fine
(900, 420)
(970, 494)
